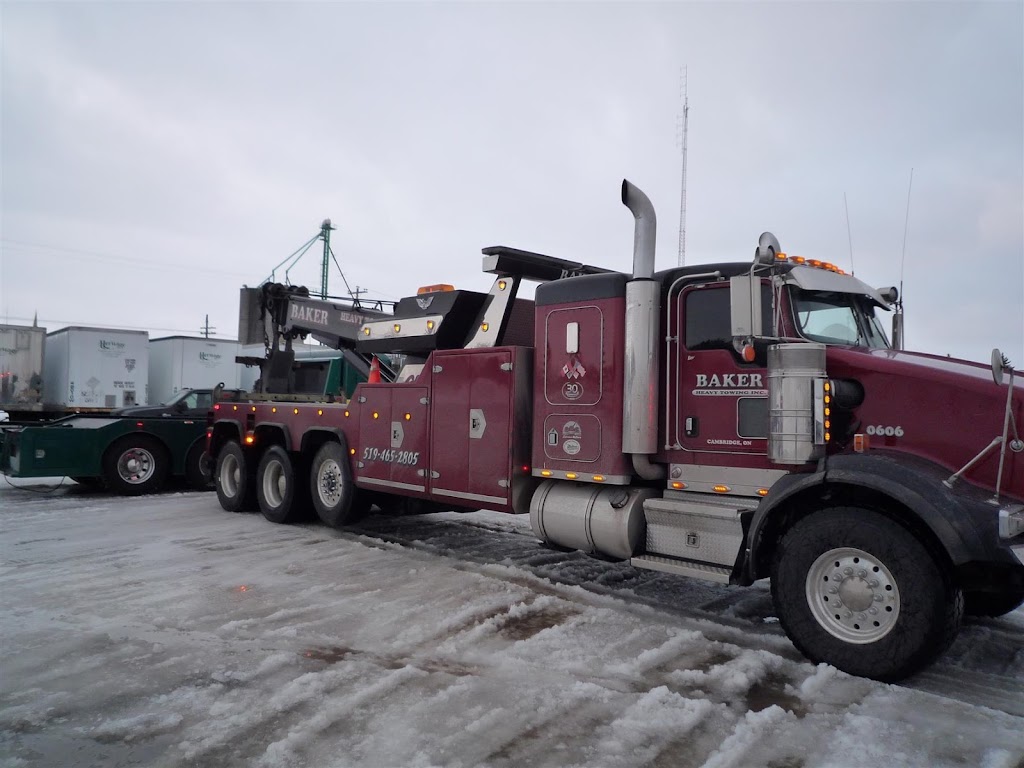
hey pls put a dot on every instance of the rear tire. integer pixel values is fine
(197, 470)
(856, 590)
(236, 490)
(336, 499)
(992, 603)
(134, 465)
(277, 487)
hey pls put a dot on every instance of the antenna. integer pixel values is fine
(682, 197)
(906, 226)
(849, 237)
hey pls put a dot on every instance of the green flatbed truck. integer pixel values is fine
(130, 455)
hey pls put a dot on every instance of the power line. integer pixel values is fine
(61, 252)
(47, 321)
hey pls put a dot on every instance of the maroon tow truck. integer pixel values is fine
(728, 422)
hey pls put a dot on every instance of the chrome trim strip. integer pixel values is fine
(390, 484)
(469, 496)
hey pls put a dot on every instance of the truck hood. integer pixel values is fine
(947, 410)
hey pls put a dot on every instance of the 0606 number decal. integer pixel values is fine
(880, 430)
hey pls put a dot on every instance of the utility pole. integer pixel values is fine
(682, 196)
(325, 235)
(206, 329)
(357, 293)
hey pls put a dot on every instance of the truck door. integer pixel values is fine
(722, 402)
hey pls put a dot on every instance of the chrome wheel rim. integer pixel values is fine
(135, 466)
(329, 482)
(230, 475)
(275, 484)
(853, 595)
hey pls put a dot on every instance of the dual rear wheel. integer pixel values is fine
(283, 487)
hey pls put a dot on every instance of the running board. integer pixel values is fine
(682, 568)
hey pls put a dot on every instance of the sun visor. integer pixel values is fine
(811, 279)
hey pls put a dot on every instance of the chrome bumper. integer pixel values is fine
(1011, 525)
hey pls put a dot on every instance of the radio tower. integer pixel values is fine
(682, 196)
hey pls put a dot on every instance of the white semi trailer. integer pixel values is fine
(187, 362)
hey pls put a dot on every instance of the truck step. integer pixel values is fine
(682, 567)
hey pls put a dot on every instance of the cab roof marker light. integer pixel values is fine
(797, 259)
(780, 256)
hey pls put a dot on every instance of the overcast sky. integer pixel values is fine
(157, 156)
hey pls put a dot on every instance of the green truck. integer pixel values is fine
(131, 451)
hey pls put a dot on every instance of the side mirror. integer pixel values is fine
(745, 301)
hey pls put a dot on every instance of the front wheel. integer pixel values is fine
(856, 590)
(198, 473)
(134, 465)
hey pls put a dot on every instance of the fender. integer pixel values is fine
(275, 426)
(337, 432)
(958, 518)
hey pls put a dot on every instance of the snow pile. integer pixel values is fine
(164, 631)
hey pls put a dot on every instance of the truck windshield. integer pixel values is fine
(838, 318)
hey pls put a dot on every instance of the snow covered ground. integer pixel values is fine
(164, 631)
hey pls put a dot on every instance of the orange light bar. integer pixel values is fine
(780, 256)
(435, 288)
(815, 262)
(797, 259)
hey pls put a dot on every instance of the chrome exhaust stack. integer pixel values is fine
(643, 307)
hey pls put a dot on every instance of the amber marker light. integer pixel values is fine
(748, 354)
(234, 407)
(408, 416)
(678, 486)
(274, 409)
(366, 330)
(598, 478)
(570, 475)
(721, 489)
(762, 491)
(780, 256)
(351, 451)
(397, 327)
(250, 438)
(860, 442)
(254, 409)
(376, 415)
(797, 259)
(545, 473)
(502, 285)
(430, 325)
(295, 411)
(346, 414)
(320, 412)
(485, 327)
